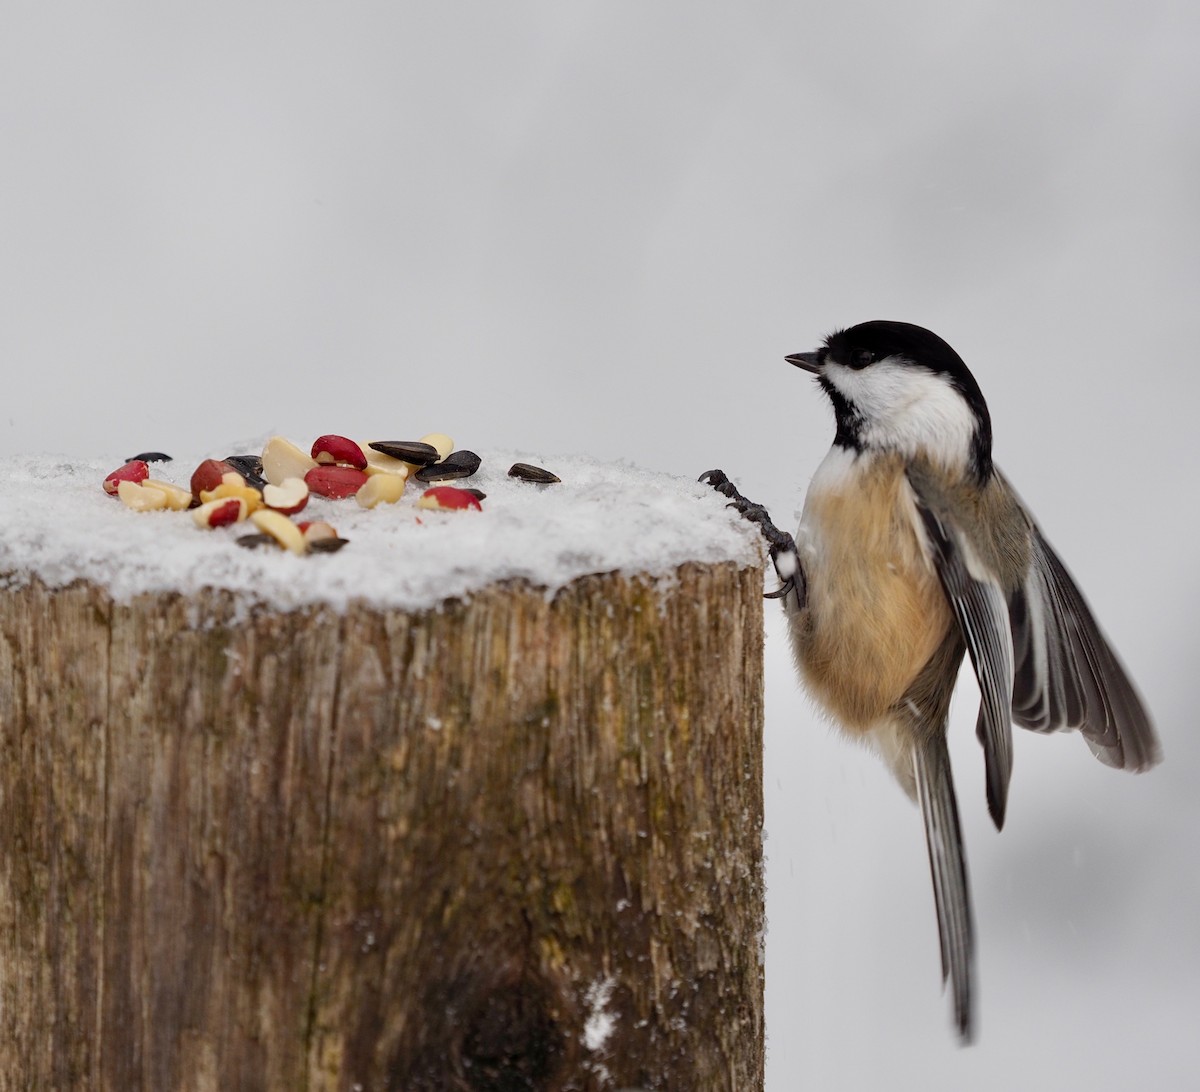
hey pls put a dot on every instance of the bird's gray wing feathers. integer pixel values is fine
(948, 866)
(1040, 658)
(982, 612)
(1067, 675)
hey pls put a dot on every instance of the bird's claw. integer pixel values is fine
(718, 480)
(789, 585)
(780, 545)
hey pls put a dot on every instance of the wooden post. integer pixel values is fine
(513, 842)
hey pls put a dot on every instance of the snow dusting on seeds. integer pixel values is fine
(405, 548)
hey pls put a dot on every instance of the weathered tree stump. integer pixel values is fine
(511, 842)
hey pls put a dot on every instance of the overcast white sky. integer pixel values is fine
(597, 228)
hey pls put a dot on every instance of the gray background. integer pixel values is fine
(597, 228)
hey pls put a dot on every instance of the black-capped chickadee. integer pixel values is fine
(913, 549)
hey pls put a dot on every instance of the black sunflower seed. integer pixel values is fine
(253, 542)
(410, 451)
(327, 545)
(478, 494)
(150, 457)
(249, 466)
(458, 464)
(527, 472)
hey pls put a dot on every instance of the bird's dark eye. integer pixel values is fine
(860, 358)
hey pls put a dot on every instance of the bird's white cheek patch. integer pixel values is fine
(908, 409)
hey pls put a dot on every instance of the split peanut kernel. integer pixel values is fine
(220, 512)
(281, 529)
(233, 485)
(142, 498)
(178, 499)
(289, 497)
(381, 489)
(282, 459)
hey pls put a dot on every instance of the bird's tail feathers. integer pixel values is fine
(948, 866)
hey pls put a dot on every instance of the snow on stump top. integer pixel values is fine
(57, 524)
(390, 817)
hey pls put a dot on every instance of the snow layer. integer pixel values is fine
(57, 523)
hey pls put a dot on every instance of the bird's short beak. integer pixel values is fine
(810, 362)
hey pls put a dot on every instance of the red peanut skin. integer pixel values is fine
(207, 476)
(227, 513)
(446, 496)
(338, 449)
(335, 482)
(136, 470)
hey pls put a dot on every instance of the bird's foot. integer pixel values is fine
(780, 545)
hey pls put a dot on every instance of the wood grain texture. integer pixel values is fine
(514, 842)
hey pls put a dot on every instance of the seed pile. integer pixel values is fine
(57, 525)
(267, 490)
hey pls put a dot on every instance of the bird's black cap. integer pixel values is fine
(860, 346)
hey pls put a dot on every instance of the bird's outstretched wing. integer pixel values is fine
(1067, 674)
(1040, 658)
